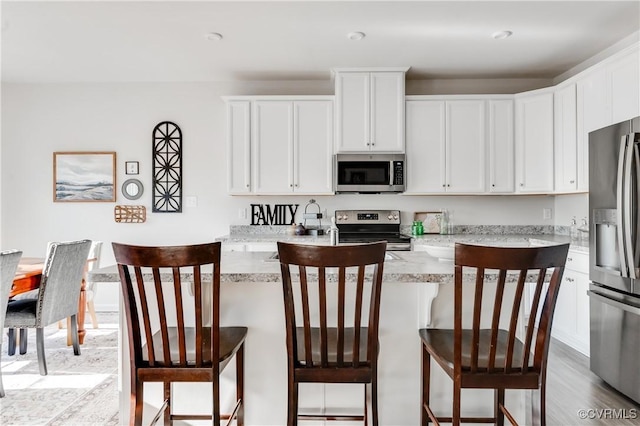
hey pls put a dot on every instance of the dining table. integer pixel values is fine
(28, 277)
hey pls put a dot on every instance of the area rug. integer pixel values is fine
(79, 390)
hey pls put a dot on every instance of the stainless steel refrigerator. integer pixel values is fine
(614, 255)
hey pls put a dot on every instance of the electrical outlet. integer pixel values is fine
(546, 214)
(191, 201)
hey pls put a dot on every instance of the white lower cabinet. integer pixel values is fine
(571, 317)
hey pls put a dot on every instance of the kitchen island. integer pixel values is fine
(417, 292)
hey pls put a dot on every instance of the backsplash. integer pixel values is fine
(406, 229)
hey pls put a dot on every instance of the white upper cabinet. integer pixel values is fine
(607, 93)
(425, 147)
(313, 147)
(272, 131)
(566, 154)
(465, 147)
(624, 74)
(280, 145)
(445, 146)
(239, 147)
(370, 110)
(501, 146)
(534, 142)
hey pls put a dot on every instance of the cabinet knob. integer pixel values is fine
(570, 279)
(247, 185)
(493, 185)
(522, 184)
(444, 186)
(448, 185)
(368, 144)
(373, 143)
(290, 185)
(572, 181)
(296, 185)
(569, 259)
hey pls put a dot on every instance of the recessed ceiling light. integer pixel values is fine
(501, 35)
(356, 35)
(214, 36)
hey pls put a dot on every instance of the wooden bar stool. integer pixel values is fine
(317, 350)
(153, 289)
(494, 357)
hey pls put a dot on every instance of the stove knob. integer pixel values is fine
(345, 217)
(395, 217)
(389, 217)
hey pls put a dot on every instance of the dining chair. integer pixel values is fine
(495, 352)
(57, 297)
(9, 260)
(332, 342)
(93, 262)
(86, 303)
(156, 292)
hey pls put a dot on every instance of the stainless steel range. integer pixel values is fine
(365, 226)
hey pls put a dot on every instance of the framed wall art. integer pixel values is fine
(131, 167)
(84, 176)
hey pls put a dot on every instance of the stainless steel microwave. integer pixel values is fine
(369, 173)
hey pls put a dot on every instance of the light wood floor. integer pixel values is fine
(572, 387)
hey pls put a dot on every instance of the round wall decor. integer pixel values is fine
(132, 189)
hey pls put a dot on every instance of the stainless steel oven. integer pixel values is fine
(366, 226)
(370, 173)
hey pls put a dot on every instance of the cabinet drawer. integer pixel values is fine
(578, 261)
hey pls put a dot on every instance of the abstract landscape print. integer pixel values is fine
(84, 176)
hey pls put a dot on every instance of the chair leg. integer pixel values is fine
(498, 400)
(137, 400)
(455, 420)
(240, 385)
(292, 403)
(23, 340)
(543, 398)
(1, 387)
(42, 362)
(215, 418)
(426, 381)
(74, 335)
(11, 340)
(91, 307)
(167, 398)
(372, 402)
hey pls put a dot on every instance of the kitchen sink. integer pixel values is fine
(388, 256)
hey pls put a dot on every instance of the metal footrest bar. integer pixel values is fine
(160, 412)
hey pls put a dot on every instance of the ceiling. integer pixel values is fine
(89, 41)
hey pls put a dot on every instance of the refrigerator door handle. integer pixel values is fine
(629, 228)
(620, 207)
(613, 302)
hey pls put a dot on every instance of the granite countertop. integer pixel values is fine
(406, 267)
(257, 267)
(422, 240)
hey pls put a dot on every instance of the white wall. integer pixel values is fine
(38, 119)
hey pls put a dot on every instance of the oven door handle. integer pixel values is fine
(613, 302)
